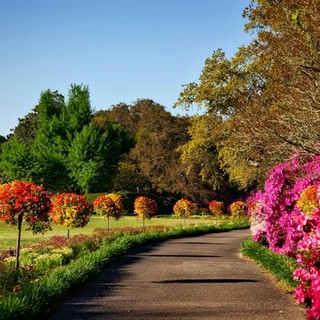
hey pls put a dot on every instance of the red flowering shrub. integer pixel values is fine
(70, 210)
(145, 207)
(184, 208)
(109, 205)
(216, 208)
(26, 199)
(238, 208)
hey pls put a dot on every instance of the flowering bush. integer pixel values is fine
(27, 199)
(145, 207)
(290, 208)
(238, 208)
(281, 192)
(184, 208)
(70, 210)
(216, 208)
(109, 205)
(257, 217)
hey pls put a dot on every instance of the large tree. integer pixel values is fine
(63, 149)
(267, 95)
(153, 164)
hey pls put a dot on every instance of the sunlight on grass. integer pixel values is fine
(8, 234)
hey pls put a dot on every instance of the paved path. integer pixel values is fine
(201, 277)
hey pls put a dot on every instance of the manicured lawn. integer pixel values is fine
(8, 233)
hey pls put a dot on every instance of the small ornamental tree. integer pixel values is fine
(238, 209)
(70, 210)
(216, 208)
(25, 201)
(109, 205)
(145, 207)
(118, 201)
(183, 208)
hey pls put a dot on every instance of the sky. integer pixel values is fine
(123, 50)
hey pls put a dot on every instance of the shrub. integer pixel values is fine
(216, 208)
(184, 208)
(70, 210)
(145, 207)
(290, 208)
(109, 205)
(28, 200)
(238, 208)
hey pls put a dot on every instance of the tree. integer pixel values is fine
(16, 161)
(78, 112)
(20, 200)
(153, 162)
(26, 129)
(70, 210)
(265, 93)
(109, 205)
(145, 207)
(64, 149)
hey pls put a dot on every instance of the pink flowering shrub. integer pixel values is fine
(286, 214)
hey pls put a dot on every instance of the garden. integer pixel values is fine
(83, 238)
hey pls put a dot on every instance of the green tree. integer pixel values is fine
(16, 161)
(78, 112)
(64, 150)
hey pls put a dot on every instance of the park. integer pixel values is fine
(156, 163)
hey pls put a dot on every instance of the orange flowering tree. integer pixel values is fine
(70, 210)
(238, 208)
(216, 208)
(183, 208)
(25, 201)
(109, 205)
(145, 207)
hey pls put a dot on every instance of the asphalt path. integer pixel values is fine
(201, 277)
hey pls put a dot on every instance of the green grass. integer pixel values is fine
(8, 234)
(279, 266)
(37, 298)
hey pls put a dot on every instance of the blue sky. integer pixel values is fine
(123, 50)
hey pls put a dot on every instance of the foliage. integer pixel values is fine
(152, 165)
(216, 208)
(109, 205)
(16, 161)
(184, 208)
(70, 210)
(59, 146)
(238, 208)
(29, 200)
(262, 99)
(145, 207)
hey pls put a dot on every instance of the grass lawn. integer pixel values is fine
(8, 234)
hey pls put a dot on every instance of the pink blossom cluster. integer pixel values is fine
(286, 215)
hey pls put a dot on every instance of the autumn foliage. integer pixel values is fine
(216, 208)
(238, 208)
(145, 207)
(184, 208)
(109, 205)
(26, 199)
(70, 210)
